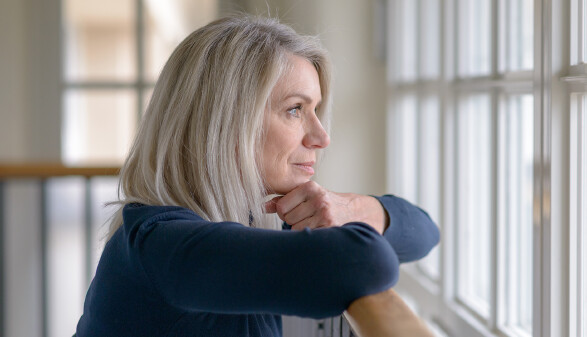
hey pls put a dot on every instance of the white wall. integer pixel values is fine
(30, 116)
(30, 85)
(12, 79)
(355, 160)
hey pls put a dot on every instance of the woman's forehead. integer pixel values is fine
(300, 79)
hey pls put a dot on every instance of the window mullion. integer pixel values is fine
(419, 96)
(494, 242)
(447, 157)
(576, 33)
(575, 216)
(496, 47)
(542, 155)
(581, 237)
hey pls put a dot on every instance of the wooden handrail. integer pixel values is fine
(48, 170)
(379, 315)
(385, 315)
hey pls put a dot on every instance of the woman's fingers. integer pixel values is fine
(310, 205)
(299, 213)
(271, 205)
(298, 195)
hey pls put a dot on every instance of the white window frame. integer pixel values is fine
(576, 81)
(435, 301)
(139, 86)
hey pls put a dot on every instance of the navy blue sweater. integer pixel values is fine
(168, 272)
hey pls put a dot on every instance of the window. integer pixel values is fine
(466, 107)
(113, 53)
(474, 37)
(516, 150)
(474, 202)
(578, 170)
(578, 214)
(429, 146)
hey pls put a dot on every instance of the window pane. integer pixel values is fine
(403, 57)
(429, 173)
(519, 34)
(516, 210)
(474, 37)
(429, 39)
(167, 23)
(578, 215)
(100, 40)
(403, 143)
(99, 126)
(474, 201)
(577, 219)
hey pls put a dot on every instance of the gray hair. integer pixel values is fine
(198, 143)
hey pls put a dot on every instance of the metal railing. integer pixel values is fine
(42, 174)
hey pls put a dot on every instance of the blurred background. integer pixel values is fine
(472, 109)
(75, 77)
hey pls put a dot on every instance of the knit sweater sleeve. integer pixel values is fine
(411, 231)
(226, 267)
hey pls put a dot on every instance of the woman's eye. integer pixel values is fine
(295, 111)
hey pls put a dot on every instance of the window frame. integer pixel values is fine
(576, 82)
(436, 300)
(139, 87)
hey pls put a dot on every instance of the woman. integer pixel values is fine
(239, 114)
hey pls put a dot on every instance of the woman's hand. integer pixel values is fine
(311, 205)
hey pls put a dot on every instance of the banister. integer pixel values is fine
(385, 315)
(379, 315)
(48, 170)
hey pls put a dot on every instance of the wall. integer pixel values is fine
(355, 160)
(30, 89)
(12, 79)
(30, 118)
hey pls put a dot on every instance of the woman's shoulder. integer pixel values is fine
(139, 220)
(140, 214)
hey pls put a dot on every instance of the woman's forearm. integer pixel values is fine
(385, 314)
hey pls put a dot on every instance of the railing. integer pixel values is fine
(38, 177)
(384, 314)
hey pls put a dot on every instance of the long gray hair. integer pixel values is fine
(198, 144)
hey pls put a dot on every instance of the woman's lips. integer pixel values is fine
(306, 167)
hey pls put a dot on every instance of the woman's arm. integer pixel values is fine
(411, 232)
(408, 229)
(229, 268)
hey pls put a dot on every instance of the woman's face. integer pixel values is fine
(294, 132)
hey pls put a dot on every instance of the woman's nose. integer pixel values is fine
(316, 136)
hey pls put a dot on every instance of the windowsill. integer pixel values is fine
(450, 316)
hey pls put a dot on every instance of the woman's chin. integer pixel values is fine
(285, 188)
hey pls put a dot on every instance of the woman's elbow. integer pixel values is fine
(426, 237)
(378, 267)
(430, 238)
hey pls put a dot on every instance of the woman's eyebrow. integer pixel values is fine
(302, 96)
